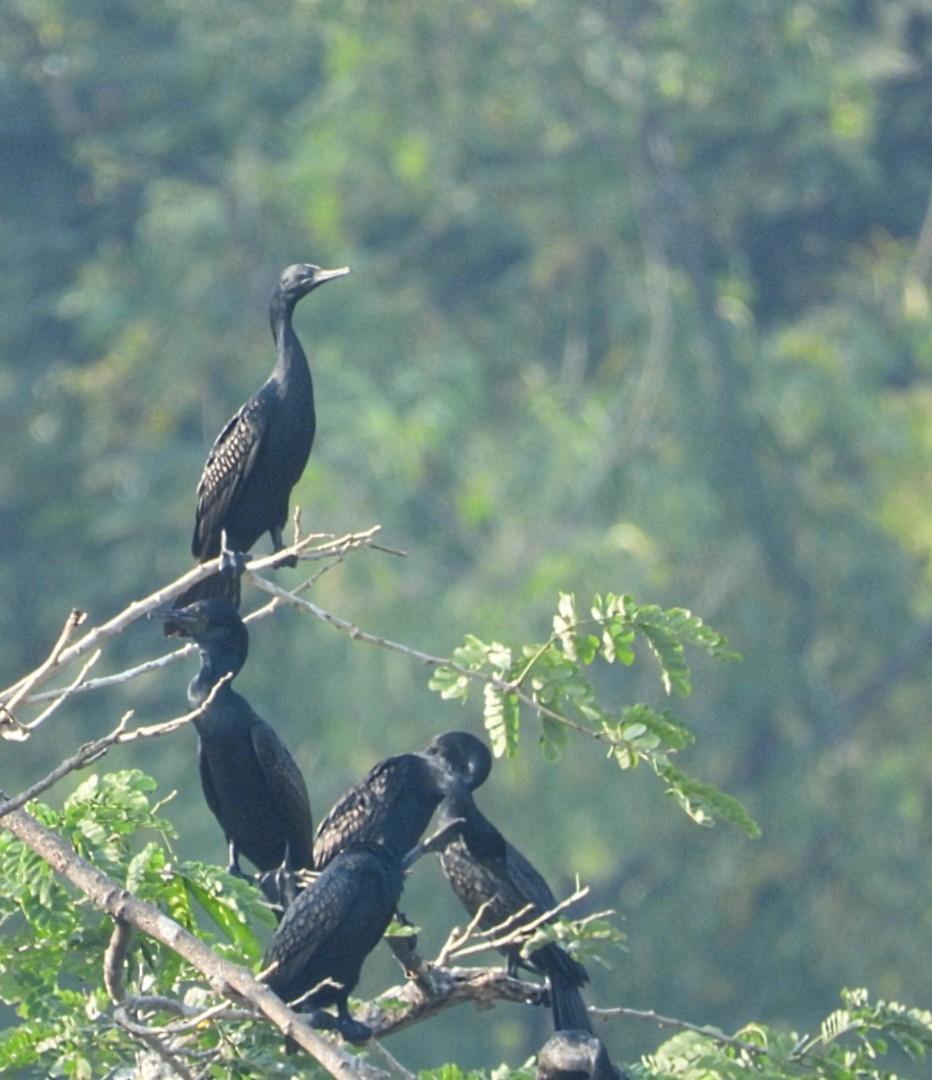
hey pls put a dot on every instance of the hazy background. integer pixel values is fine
(640, 303)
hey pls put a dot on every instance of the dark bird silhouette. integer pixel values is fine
(251, 782)
(329, 930)
(484, 869)
(395, 802)
(261, 452)
(576, 1055)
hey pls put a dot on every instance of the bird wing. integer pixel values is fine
(527, 881)
(309, 921)
(361, 812)
(564, 971)
(352, 817)
(229, 462)
(207, 782)
(288, 789)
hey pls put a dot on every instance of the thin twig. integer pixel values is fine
(510, 932)
(62, 655)
(12, 698)
(375, 1046)
(91, 751)
(358, 634)
(681, 1025)
(153, 1042)
(457, 936)
(57, 699)
(118, 677)
(83, 756)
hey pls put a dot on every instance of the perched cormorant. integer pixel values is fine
(484, 869)
(261, 452)
(394, 803)
(329, 930)
(575, 1055)
(250, 780)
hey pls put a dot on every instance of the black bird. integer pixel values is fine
(395, 802)
(484, 869)
(251, 782)
(329, 930)
(260, 454)
(576, 1055)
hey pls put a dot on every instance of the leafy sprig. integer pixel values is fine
(550, 680)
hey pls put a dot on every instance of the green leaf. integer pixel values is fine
(674, 670)
(501, 715)
(705, 804)
(553, 738)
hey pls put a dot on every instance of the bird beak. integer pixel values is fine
(185, 619)
(328, 275)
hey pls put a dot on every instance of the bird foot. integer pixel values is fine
(280, 887)
(354, 1031)
(234, 869)
(277, 545)
(232, 563)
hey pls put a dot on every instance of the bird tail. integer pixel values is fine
(569, 1008)
(565, 976)
(218, 586)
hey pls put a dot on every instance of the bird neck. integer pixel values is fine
(213, 669)
(478, 833)
(291, 365)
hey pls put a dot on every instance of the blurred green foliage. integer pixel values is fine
(640, 305)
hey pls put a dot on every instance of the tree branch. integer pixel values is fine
(225, 978)
(19, 692)
(62, 655)
(683, 1025)
(423, 997)
(357, 634)
(91, 751)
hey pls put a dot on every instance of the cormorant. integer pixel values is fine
(394, 803)
(261, 452)
(576, 1055)
(251, 782)
(329, 930)
(484, 869)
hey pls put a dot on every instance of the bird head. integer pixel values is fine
(214, 624)
(298, 280)
(467, 757)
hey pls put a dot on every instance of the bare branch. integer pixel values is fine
(62, 695)
(458, 937)
(330, 548)
(511, 931)
(91, 751)
(681, 1025)
(22, 688)
(417, 1001)
(118, 677)
(115, 958)
(153, 1042)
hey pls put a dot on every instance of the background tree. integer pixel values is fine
(640, 303)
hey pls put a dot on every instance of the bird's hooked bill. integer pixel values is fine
(182, 618)
(327, 275)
